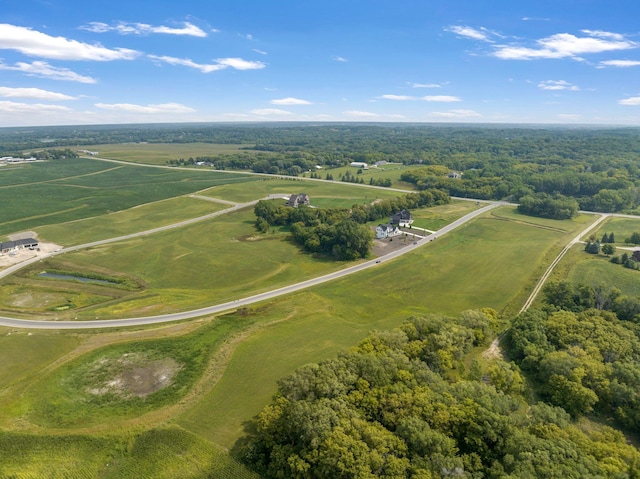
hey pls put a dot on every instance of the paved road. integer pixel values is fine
(118, 323)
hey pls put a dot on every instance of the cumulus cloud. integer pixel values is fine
(37, 44)
(631, 101)
(221, 63)
(339, 59)
(620, 63)
(44, 70)
(469, 32)
(271, 112)
(125, 28)
(360, 114)
(13, 107)
(441, 98)
(457, 114)
(33, 93)
(557, 85)
(290, 101)
(566, 45)
(150, 109)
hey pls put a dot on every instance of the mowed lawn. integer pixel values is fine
(161, 153)
(490, 262)
(323, 194)
(132, 220)
(622, 229)
(64, 190)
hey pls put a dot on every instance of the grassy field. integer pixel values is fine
(206, 263)
(488, 263)
(323, 194)
(622, 228)
(132, 220)
(161, 153)
(65, 190)
(393, 171)
(481, 265)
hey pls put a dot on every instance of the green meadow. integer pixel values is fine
(622, 229)
(161, 153)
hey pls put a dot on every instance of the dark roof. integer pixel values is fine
(401, 215)
(25, 242)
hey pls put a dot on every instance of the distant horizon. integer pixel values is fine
(249, 123)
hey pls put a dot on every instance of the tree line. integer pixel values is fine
(400, 405)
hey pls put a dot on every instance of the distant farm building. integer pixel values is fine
(402, 219)
(298, 200)
(359, 164)
(454, 175)
(9, 246)
(387, 231)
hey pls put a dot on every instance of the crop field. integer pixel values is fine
(139, 218)
(161, 153)
(65, 190)
(322, 194)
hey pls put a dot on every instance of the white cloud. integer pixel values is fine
(261, 52)
(44, 70)
(34, 93)
(222, 63)
(271, 112)
(620, 63)
(37, 44)
(360, 114)
(457, 114)
(441, 98)
(150, 109)
(469, 32)
(566, 45)
(557, 85)
(603, 34)
(339, 59)
(290, 101)
(13, 107)
(125, 28)
(240, 64)
(246, 36)
(398, 97)
(631, 101)
(426, 85)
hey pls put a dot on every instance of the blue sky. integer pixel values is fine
(66, 62)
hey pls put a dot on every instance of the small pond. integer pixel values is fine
(69, 277)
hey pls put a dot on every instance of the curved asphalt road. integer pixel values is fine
(164, 318)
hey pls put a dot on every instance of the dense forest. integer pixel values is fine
(400, 405)
(598, 168)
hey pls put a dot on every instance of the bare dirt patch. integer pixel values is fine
(132, 375)
(494, 351)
